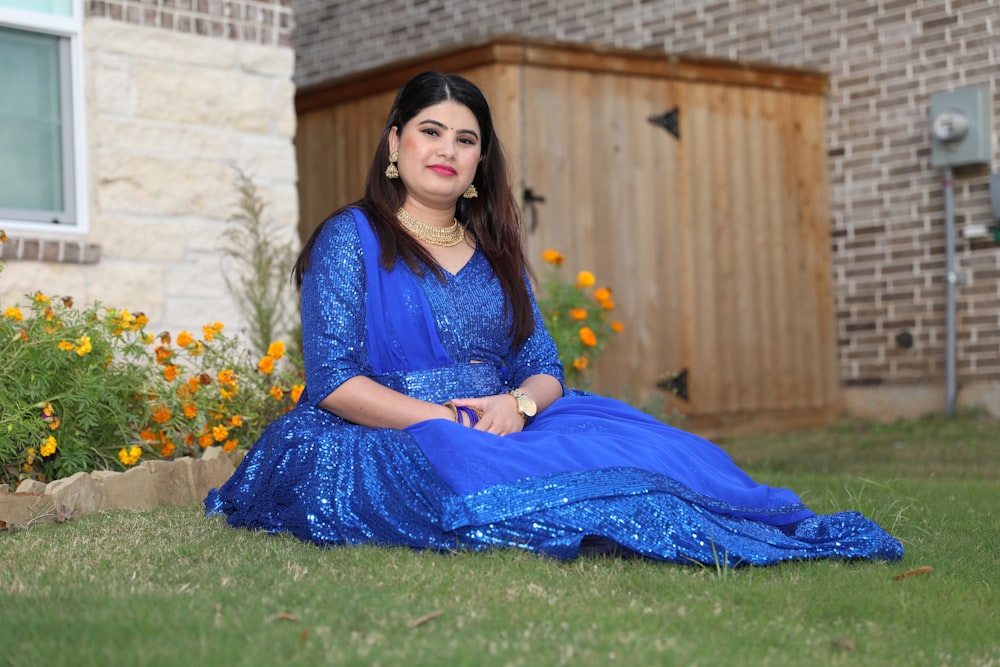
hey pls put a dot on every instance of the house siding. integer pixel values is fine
(884, 59)
(179, 95)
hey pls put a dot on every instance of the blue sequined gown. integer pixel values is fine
(586, 471)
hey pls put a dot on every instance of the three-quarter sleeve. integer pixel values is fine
(333, 309)
(538, 355)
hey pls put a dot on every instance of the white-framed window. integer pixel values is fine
(43, 180)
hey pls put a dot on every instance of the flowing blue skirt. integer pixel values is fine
(587, 471)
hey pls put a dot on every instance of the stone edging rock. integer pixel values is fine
(184, 481)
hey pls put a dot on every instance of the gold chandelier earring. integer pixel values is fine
(471, 192)
(391, 171)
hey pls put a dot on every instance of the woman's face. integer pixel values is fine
(439, 151)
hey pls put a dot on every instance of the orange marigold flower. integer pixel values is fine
(220, 433)
(170, 373)
(230, 445)
(580, 363)
(140, 321)
(297, 390)
(587, 337)
(276, 350)
(617, 326)
(277, 392)
(196, 348)
(578, 313)
(23, 333)
(236, 421)
(602, 293)
(189, 440)
(162, 414)
(13, 313)
(3, 236)
(147, 435)
(208, 333)
(553, 257)
(228, 394)
(167, 449)
(49, 314)
(190, 410)
(54, 424)
(47, 410)
(266, 365)
(205, 440)
(41, 298)
(585, 279)
(65, 345)
(226, 377)
(184, 339)
(608, 304)
(163, 354)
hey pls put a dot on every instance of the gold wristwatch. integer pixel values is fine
(525, 404)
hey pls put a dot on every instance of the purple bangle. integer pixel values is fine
(471, 414)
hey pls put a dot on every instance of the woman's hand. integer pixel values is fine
(500, 415)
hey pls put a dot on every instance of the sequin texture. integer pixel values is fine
(588, 470)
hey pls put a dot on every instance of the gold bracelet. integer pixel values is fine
(454, 411)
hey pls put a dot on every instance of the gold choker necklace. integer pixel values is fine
(446, 237)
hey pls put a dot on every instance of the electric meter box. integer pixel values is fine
(961, 127)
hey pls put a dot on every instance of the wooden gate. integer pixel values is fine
(714, 237)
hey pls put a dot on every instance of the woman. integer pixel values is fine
(434, 414)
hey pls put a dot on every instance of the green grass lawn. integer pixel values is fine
(171, 587)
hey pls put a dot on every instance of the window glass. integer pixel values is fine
(58, 7)
(31, 126)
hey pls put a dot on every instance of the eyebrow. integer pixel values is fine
(437, 123)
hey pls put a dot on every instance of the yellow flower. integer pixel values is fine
(227, 394)
(266, 365)
(617, 326)
(220, 433)
(49, 314)
(184, 339)
(13, 313)
(83, 345)
(585, 279)
(148, 338)
(276, 350)
(41, 298)
(48, 447)
(587, 337)
(29, 456)
(578, 313)
(297, 390)
(196, 349)
(130, 456)
(65, 345)
(553, 257)
(277, 392)
(580, 363)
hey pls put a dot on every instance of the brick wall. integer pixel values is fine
(267, 22)
(884, 59)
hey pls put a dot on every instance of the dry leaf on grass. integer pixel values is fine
(914, 572)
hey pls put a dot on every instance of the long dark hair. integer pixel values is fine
(493, 218)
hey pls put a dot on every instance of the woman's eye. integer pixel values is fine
(431, 132)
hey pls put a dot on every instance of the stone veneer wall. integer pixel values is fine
(884, 58)
(178, 94)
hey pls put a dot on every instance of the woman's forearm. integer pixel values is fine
(363, 401)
